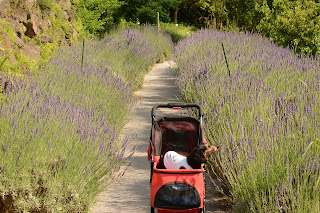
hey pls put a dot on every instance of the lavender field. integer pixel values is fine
(59, 127)
(264, 114)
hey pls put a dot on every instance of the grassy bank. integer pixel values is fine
(59, 131)
(264, 114)
(177, 31)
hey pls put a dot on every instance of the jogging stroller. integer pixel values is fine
(175, 190)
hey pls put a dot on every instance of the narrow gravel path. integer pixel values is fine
(131, 194)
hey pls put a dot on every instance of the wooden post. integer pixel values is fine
(225, 58)
(82, 54)
(158, 21)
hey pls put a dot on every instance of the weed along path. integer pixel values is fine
(132, 192)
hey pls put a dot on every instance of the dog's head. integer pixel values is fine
(200, 154)
(210, 150)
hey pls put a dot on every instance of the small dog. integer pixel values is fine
(175, 159)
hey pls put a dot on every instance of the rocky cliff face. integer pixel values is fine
(29, 27)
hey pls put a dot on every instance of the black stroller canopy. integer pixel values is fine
(179, 130)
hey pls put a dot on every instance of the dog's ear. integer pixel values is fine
(202, 147)
(210, 150)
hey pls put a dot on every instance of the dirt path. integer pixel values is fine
(131, 194)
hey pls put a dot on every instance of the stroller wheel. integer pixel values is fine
(152, 209)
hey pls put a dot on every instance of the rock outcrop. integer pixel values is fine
(25, 27)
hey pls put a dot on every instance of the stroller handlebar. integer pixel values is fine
(177, 106)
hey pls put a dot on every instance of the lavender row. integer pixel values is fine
(59, 130)
(264, 115)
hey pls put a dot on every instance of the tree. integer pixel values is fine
(215, 11)
(97, 15)
(197, 12)
(294, 24)
(244, 13)
(203, 13)
(145, 11)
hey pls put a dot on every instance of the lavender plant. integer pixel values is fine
(139, 50)
(265, 117)
(59, 130)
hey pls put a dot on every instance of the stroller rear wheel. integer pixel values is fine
(203, 209)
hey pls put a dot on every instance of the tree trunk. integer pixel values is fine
(175, 15)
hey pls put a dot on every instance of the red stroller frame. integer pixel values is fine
(175, 190)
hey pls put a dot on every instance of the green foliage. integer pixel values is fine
(214, 12)
(122, 24)
(244, 13)
(200, 13)
(44, 4)
(60, 30)
(177, 31)
(97, 15)
(47, 51)
(21, 62)
(147, 15)
(294, 24)
(145, 11)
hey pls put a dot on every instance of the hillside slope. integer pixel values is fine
(31, 30)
